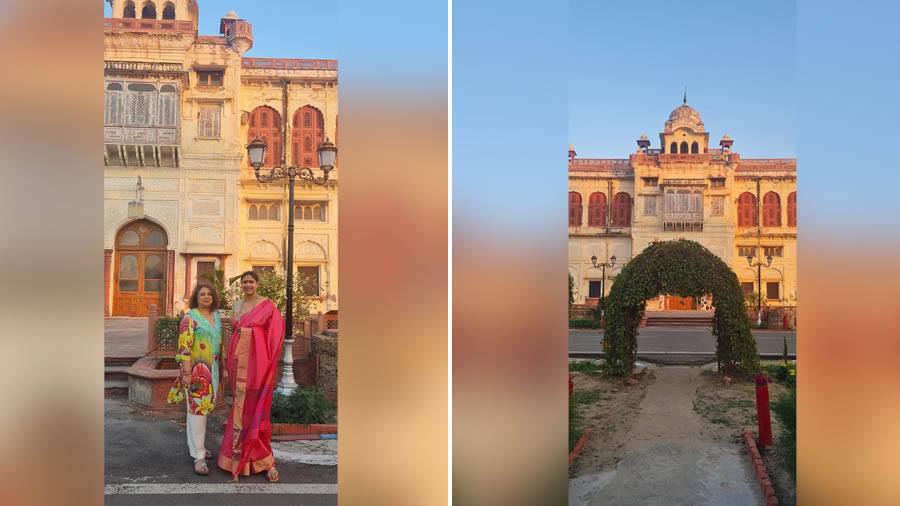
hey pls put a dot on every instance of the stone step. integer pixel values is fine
(115, 388)
(115, 372)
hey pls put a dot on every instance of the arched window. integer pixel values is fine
(149, 11)
(597, 210)
(673, 148)
(792, 209)
(574, 209)
(254, 213)
(169, 11)
(747, 210)
(261, 127)
(129, 10)
(621, 213)
(308, 133)
(695, 148)
(771, 210)
(684, 147)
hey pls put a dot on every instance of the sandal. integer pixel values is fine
(200, 467)
(272, 475)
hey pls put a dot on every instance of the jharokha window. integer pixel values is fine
(597, 210)
(621, 212)
(747, 210)
(264, 212)
(265, 123)
(308, 132)
(771, 210)
(574, 209)
(792, 209)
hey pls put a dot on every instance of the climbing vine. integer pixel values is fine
(685, 269)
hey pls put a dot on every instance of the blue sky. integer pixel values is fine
(280, 29)
(628, 64)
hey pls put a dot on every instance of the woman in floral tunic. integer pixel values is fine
(199, 352)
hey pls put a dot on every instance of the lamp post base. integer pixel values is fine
(287, 383)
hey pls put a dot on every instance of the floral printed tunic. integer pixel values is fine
(199, 342)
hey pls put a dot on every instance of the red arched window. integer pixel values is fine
(621, 213)
(597, 210)
(574, 209)
(792, 209)
(771, 210)
(308, 133)
(747, 210)
(265, 123)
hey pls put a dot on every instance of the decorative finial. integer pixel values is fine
(685, 95)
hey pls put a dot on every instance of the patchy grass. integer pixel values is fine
(585, 366)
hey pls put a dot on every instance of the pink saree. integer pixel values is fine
(251, 362)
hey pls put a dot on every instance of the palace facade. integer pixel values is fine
(180, 199)
(735, 207)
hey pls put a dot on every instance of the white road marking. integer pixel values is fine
(306, 458)
(220, 488)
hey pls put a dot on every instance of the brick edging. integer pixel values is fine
(284, 429)
(577, 449)
(759, 467)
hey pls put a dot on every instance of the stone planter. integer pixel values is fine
(149, 382)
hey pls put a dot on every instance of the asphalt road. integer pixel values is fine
(147, 463)
(681, 339)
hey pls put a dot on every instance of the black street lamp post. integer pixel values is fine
(327, 152)
(603, 266)
(758, 266)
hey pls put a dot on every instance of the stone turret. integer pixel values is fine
(238, 33)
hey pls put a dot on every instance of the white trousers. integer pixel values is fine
(196, 435)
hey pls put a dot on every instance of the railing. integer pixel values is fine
(617, 165)
(288, 63)
(683, 157)
(148, 25)
(768, 164)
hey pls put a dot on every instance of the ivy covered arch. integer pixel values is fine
(685, 269)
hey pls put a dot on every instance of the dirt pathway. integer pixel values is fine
(669, 460)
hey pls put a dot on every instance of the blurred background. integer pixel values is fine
(508, 198)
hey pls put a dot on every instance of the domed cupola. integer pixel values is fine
(684, 116)
(684, 132)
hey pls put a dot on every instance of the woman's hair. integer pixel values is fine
(193, 303)
(252, 274)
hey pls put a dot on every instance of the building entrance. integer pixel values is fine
(140, 269)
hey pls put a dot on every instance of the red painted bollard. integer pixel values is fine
(763, 416)
(571, 385)
(784, 323)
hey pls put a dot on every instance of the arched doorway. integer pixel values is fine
(140, 269)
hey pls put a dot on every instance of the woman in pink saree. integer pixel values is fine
(253, 352)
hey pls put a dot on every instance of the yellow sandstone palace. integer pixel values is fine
(180, 198)
(735, 207)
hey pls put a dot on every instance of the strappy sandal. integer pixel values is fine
(200, 467)
(272, 475)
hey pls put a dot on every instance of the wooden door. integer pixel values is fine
(674, 303)
(140, 269)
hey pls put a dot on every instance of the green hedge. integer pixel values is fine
(584, 324)
(303, 407)
(686, 269)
